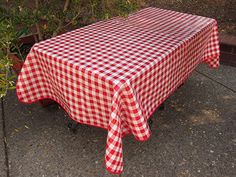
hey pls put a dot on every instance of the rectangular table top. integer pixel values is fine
(113, 74)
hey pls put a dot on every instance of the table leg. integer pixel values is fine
(162, 107)
(181, 85)
(150, 122)
(73, 126)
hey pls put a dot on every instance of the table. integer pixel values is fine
(113, 74)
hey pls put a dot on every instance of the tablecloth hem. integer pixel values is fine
(62, 105)
(113, 172)
(143, 139)
(212, 65)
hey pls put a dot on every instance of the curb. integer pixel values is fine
(228, 50)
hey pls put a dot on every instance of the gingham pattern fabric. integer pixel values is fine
(114, 74)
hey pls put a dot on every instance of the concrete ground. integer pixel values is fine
(195, 136)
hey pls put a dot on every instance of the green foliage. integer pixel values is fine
(78, 13)
(9, 44)
(6, 78)
(95, 10)
(7, 37)
(55, 16)
(47, 18)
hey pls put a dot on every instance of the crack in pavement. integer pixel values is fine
(205, 75)
(5, 139)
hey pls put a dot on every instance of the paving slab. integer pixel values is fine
(224, 74)
(3, 169)
(193, 136)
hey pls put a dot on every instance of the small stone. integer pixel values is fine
(198, 171)
(211, 151)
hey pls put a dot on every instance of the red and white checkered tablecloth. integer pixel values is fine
(113, 74)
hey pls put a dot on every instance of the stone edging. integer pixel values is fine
(228, 50)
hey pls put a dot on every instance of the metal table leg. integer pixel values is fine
(162, 107)
(73, 126)
(150, 122)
